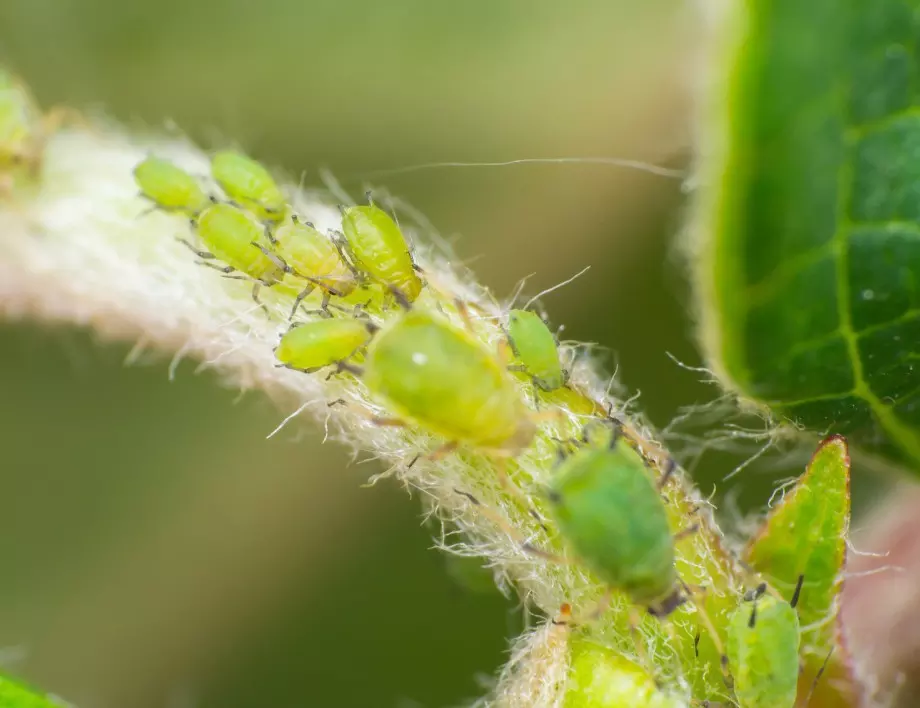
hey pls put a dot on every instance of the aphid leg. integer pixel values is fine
(206, 255)
(256, 287)
(400, 297)
(511, 488)
(464, 313)
(667, 473)
(686, 533)
(634, 622)
(438, 454)
(341, 245)
(226, 270)
(269, 235)
(300, 298)
(814, 683)
(601, 607)
(324, 305)
(510, 530)
(536, 393)
(344, 366)
(274, 258)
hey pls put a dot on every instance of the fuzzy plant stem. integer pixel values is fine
(79, 246)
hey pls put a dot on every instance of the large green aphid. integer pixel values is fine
(170, 187)
(231, 236)
(763, 650)
(612, 517)
(314, 345)
(314, 256)
(535, 347)
(249, 184)
(379, 249)
(427, 371)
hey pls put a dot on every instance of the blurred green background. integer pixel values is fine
(157, 549)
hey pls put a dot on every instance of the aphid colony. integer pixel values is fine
(432, 374)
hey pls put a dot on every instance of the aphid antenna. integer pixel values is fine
(555, 287)
(814, 683)
(516, 293)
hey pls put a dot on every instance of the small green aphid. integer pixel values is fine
(22, 129)
(170, 187)
(378, 248)
(313, 255)
(231, 236)
(428, 371)
(612, 516)
(249, 184)
(535, 347)
(314, 345)
(763, 650)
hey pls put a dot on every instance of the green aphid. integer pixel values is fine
(314, 345)
(535, 347)
(231, 236)
(379, 249)
(611, 515)
(170, 187)
(23, 130)
(249, 184)
(315, 257)
(429, 372)
(763, 650)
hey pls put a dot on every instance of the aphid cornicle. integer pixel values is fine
(763, 650)
(249, 184)
(321, 343)
(170, 187)
(311, 254)
(612, 516)
(378, 248)
(230, 235)
(535, 347)
(428, 371)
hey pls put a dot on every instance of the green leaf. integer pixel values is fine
(805, 534)
(808, 220)
(15, 695)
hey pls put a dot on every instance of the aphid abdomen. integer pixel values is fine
(380, 249)
(763, 654)
(312, 254)
(248, 183)
(536, 349)
(229, 234)
(429, 371)
(611, 515)
(170, 187)
(321, 343)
